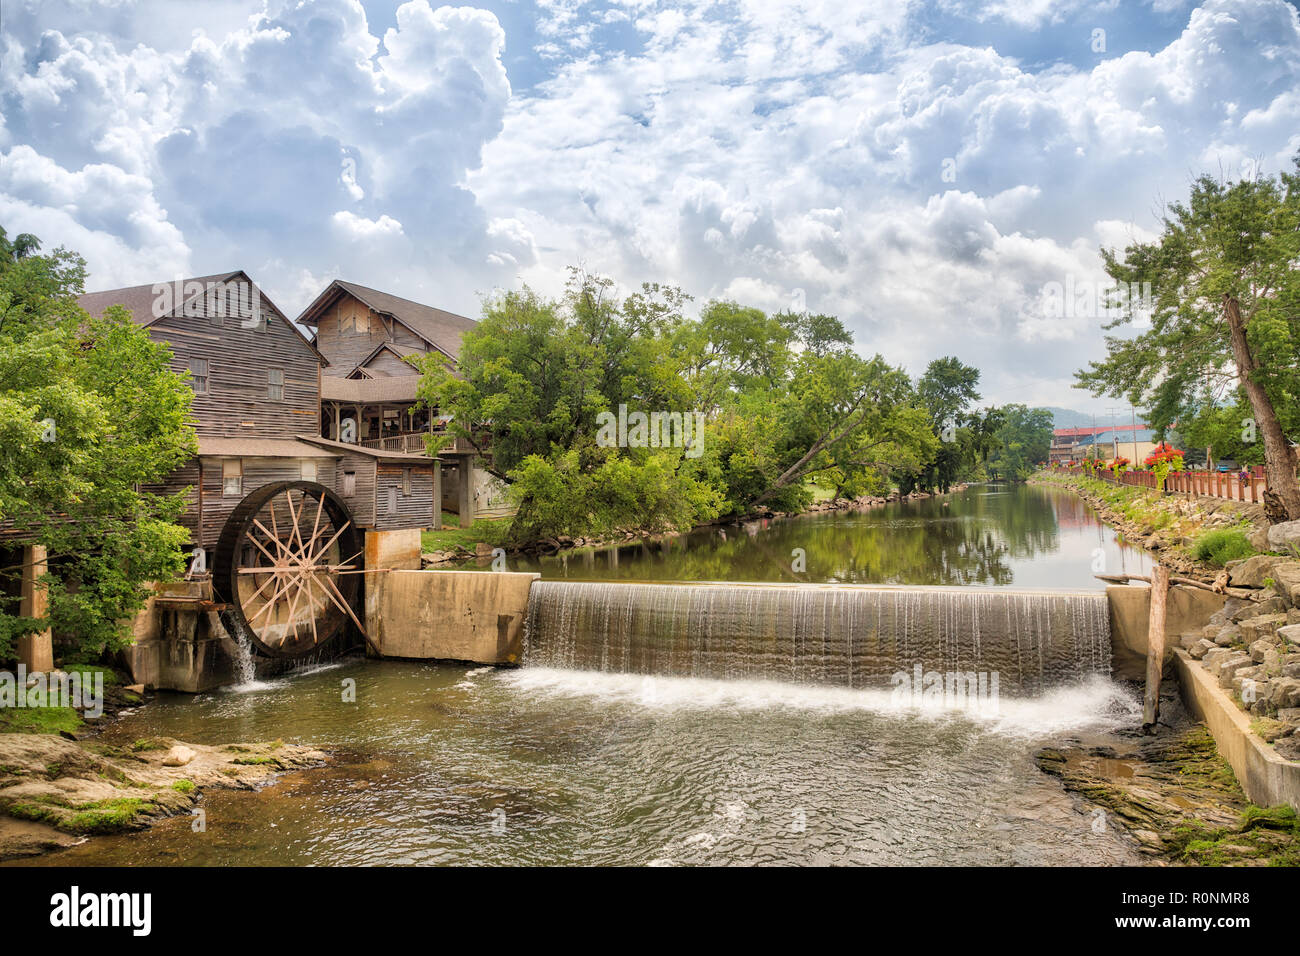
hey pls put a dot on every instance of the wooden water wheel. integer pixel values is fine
(288, 566)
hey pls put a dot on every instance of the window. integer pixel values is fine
(349, 484)
(392, 499)
(232, 477)
(406, 481)
(199, 375)
(275, 384)
(309, 471)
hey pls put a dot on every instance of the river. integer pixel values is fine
(445, 764)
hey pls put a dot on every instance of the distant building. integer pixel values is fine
(1074, 444)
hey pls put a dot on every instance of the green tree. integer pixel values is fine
(1226, 313)
(1022, 441)
(90, 414)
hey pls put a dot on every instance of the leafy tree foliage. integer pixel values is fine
(89, 413)
(1225, 317)
(785, 401)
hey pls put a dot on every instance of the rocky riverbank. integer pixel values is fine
(54, 792)
(1169, 526)
(1252, 647)
(565, 543)
(1174, 796)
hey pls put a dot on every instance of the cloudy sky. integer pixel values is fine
(923, 170)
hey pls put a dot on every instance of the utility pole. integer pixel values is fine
(1133, 412)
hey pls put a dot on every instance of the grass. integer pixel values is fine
(104, 816)
(39, 720)
(1221, 546)
(452, 535)
(87, 670)
(1266, 834)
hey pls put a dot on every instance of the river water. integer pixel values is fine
(1027, 536)
(446, 764)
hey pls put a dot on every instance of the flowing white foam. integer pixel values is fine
(1096, 702)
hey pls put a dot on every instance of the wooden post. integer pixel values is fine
(1155, 647)
(465, 490)
(437, 495)
(35, 651)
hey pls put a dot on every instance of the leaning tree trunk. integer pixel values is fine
(1279, 460)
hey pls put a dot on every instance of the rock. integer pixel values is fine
(1284, 536)
(1259, 539)
(1213, 657)
(1262, 652)
(1290, 633)
(1286, 580)
(1230, 607)
(1269, 729)
(1291, 670)
(1227, 636)
(484, 550)
(178, 756)
(1288, 748)
(1284, 692)
(1270, 605)
(1251, 572)
(135, 688)
(1265, 625)
(1201, 648)
(1226, 668)
(1189, 640)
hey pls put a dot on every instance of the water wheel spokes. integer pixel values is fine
(286, 567)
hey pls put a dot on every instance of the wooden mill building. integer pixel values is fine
(257, 407)
(368, 390)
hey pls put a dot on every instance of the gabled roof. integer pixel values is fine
(439, 328)
(140, 300)
(401, 351)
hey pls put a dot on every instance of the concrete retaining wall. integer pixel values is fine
(1267, 779)
(474, 616)
(1188, 609)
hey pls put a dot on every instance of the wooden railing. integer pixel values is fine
(1205, 484)
(412, 443)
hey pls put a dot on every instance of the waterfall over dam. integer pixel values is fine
(849, 636)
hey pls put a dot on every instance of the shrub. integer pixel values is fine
(1220, 547)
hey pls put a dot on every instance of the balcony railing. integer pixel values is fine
(412, 443)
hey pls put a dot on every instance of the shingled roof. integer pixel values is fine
(394, 388)
(439, 328)
(140, 300)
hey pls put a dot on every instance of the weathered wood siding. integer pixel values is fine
(184, 478)
(236, 404)
(362, 502)
(387, 364)
(339, 340)
(414, 510)
(258, 472)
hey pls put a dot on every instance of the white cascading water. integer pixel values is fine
(844, 636)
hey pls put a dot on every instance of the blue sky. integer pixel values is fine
(923, 170)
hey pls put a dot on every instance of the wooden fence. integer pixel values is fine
(1206, 484)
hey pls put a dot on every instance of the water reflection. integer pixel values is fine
(988, 535)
